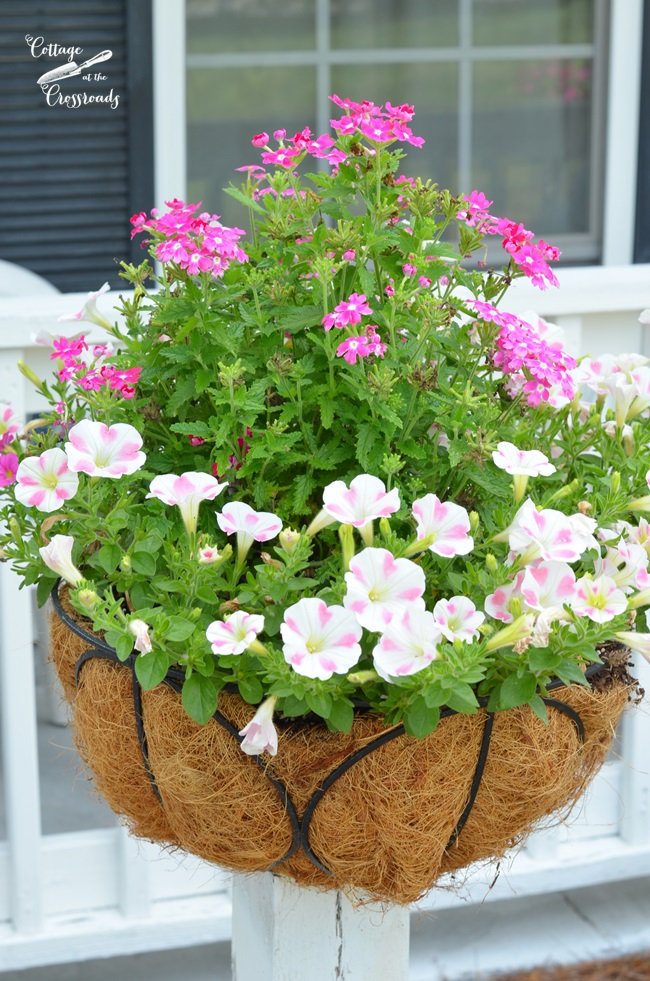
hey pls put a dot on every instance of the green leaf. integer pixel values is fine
(238, 195)
(461, 698)
(180, 629)
(195, 428)
(539, 708)
(293, 706)
(541, 659)
(568, 672)
(151, 668)
(419, 719)
(123, 645)
(108, 557)
(250, 689)
(200, 697)
(319, 702)
(143, 562)
(326, 412)
(341, 715)
(303, 485)
(365, 440)
(43, 590)
(517, 691)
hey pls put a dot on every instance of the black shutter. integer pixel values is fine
(642, 230)
(70, 178)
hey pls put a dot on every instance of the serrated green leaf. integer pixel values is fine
(200, 697)
(151, 668)
(238, 195)
(366, 437)
(195, 428)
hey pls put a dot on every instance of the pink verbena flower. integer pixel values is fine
(407, 645)
(186, 492)
(46, 482)
(444, 527)
(8, 426)
(353, 348)
(9, 466)
(379, 586)
(520, 349)
(320, 640)
(104, 451)
(378, 124)
(235, 633)
(458, 619)
(260, 735)
(347, 313)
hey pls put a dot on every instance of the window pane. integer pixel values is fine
(433, 89)
(394, 23)
(499, 22)
(225, 108)
(216, 26)
(532, 142)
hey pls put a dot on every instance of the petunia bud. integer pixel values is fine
(520, 629)
(474, 522)
(87, 598)
(346, 535)
(260, 735)
(289, 539)
(491, 563)
(125, 563)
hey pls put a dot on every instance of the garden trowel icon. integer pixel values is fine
(72, 68)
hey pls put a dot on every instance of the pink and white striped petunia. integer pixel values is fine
(57, 556)
(237, 518)
(379, 586)
(458, 619)
(236, 633)
(407, 645)
(320, 640)
(443, 527)
(548, 535)
(365, 499)
(208, 555)
(529, 463)
(260, 735)
(104, 451)
(46, 482)
(548, 585)
(599, 599)
(627, 564)
(186, 492)
(89, 311)
(499, 603)
(8, 426)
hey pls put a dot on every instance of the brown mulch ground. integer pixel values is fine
(622, 969)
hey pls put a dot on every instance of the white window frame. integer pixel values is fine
(621, 132)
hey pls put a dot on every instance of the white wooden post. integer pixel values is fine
(285, 932)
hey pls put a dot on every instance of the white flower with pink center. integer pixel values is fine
(548, 585)
(186, 492)
(237, 518)
(599, 599)
(236, 633)
(407, 645)
(443, 527)
(366, 498)
(379, 586)
(458, 619)
(8, 427)
(208, 555)
(260, 735)
(547, 534)
(529, 463)
(46, 482)
(627, 564)
(499, 603)
(320, 640)
(57, 556)
(104, 451)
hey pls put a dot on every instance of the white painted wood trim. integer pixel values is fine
(623, 102)
(170, 116)
(285, 932)
(20, 754)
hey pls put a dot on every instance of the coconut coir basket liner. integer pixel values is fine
(372, 809)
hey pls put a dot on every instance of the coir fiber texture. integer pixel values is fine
(384, 827)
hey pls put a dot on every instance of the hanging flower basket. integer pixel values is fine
(374, 809)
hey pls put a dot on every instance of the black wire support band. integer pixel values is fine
(300, 827)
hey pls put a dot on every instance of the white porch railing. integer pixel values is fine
(99, 892)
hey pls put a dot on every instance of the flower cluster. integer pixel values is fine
(197, 243)
(339, 472)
